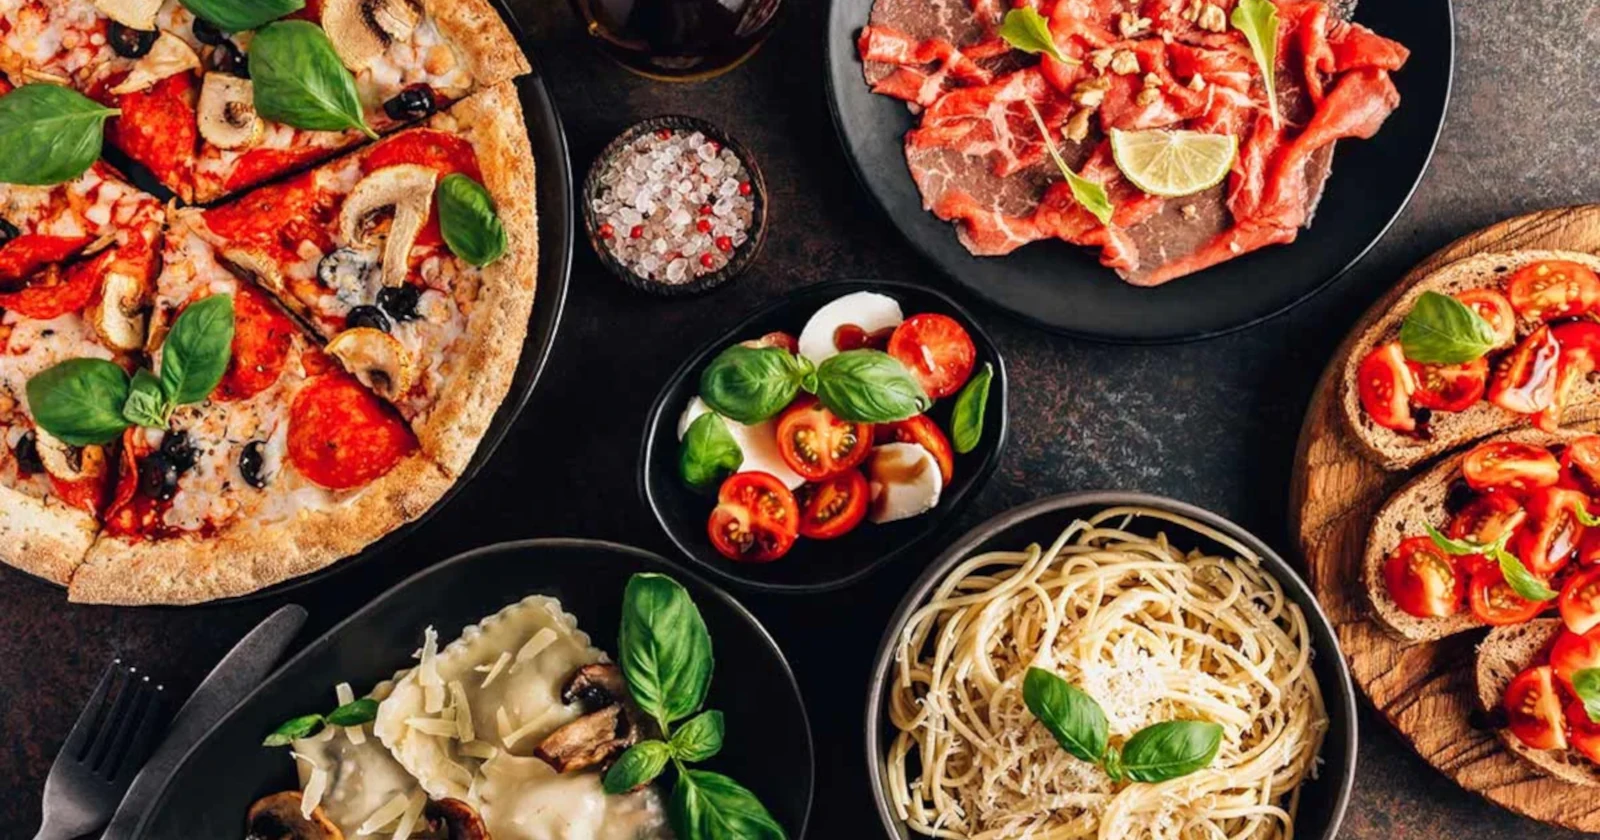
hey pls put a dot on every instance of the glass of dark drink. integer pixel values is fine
(678, 40)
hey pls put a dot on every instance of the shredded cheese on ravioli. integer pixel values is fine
(458, 694)
(387, 813)
(495, 669)
(537, 645)
(347, 695)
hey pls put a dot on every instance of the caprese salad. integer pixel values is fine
(810, 436)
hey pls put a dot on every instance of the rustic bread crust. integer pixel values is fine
(477, 31)
(43, 536)
(1504, 653)
(1395, 451)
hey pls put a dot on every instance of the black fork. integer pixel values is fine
(107, 746)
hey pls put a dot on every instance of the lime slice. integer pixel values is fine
(1173, 163)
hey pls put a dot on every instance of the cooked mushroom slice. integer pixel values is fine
(118, 318)
(377, 359)
(279, 817)
(227, 112)
(596, 686)
(168, 56)
(592, 740)
(261, 268)
(450, 819)
(138, 14)
(403, 194)
(362, 29)
(66, 462)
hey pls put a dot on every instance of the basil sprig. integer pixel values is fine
(468, 220)
(300, 81)
(49, 134)
(1517, 576)
(1027, 30)
(750, 384)
(708, 453)
(665, 653)
(1442, 330)
(1258, 20)
(91, 401)
(1586, 684)
(869, 386)
(353, 713)
(242, 15)
(1156, 753)
(1090, 194)
(966, 418)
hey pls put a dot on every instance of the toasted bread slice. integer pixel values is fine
(1504, 653)
(1449, 430)
(1420, 502)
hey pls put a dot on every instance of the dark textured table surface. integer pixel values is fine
(1212, 423)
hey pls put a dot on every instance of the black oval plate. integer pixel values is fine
(769, 752)
(1062, 288)
(1322, 800)
(813, 565)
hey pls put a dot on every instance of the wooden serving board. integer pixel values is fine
(1425, 691)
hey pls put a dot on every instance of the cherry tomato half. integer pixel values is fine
(1552, 289)
(817, 444)
(1486, 518)
(1534, 709)
(1526, 379)
(1583, 733)
(1516, 466)
(1574, 652)
(1422, 579)
(937, 350)
(1495, 309)
(1580, 465)
(1580, 601)
(1580, 351)
(1384, 383)
(1553, 531)
(1493, 601)
(756, 519)
(1449, 387)
(778, 339)
(834, 506)
(920, 429)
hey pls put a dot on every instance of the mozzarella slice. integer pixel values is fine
(870, 311)
(905, 482)
(759, 443)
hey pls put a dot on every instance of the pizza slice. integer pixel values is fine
(186, 94)
(414, 258)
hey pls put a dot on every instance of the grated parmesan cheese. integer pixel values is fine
(458, 693)
(479, 749)
(316, 786)
(528, 728)
(346, 695)
(438, 727)
(408, 820)
(387, 813)
(536, 645)
(495, 669)
(1128, 687)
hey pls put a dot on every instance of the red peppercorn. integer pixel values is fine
(707, 260)
(606, 231)
(638, 231)
(704, 225)
(744, 188)
(724, 243)
(715, 146)
(705, 209)
(664, 134)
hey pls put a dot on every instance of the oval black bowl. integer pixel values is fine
(228, 769)
(1322, 800)
(814, 565)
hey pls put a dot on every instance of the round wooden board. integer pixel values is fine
(1425, 691)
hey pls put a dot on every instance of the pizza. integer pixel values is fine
(199, 402)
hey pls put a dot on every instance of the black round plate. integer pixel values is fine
(1322, 800)
(814, 565)
(769, 750)
(1062, 288)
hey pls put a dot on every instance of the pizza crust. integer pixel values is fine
(477, 30)
(44, 537)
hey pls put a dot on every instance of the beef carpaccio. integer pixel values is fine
(979, 162)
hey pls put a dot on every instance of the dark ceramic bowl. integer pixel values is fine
(1322, 800)
(208, 794)
(814, 565)
(741, 256)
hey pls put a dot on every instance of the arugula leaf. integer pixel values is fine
(1442, 330)
(640, 765)
(242, 15)
(966, 418)
(147, 404)
(354, 713)
(1517, 576)
(869, 386)
(1072, 716)
(50, 134)
(664, 647)
(80, 401)
(300, 81)
(1586, 684)
(711, 806)
(1168, 750)
(1091, 195)
(1027, 30)
(294, 729)
(468, 221)
(700, 738)
(1258, 20)
(195, 354)
(708, 453)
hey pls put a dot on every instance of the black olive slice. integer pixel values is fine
(207, 32)
(226, 57)
(129, 42)
(414, 103)
(400, 301)
(367, 316)
(158, 477)
(27, 452)
(250, 463)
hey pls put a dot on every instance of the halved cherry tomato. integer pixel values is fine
(1484, 520)
(1495, 309)
(1580, 465)
(937, 350)
(1580, 353)
(756, 519)
(1517, 466)
(1574, 652)
(1493, 601)
(1589, 548)
(920, 429)
(835, 506)
(1384, 383)
(816, 444)
(1552, 533)
(778, 339)
(1526, 379)
(1422, 579)
(1449, 387)
(1553, 289)
(1534, 710)
(1583, 733)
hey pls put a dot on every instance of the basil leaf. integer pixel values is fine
(80, 401)
(300, 81)
(1586, 684)
(1585, 518)
(468, 221)
(242, 15)
(1442, 330)
(1459, 548)
(1088, 193)
(966, 418)
(711, 806)
(699, 739)
(1027, 30)
(294, 729)
(1258, 20)
(665, 650)
(639, 766)
(146, 404)
(1169, 750)
(196, 351)
(1072, 716)
(750, 384)
(49, 134)
(1522, 581)
(869, 386)
(708, 453)
(354, 713)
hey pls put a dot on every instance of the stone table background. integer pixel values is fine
(1211, 423)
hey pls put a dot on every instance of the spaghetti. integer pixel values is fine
(1152, 633)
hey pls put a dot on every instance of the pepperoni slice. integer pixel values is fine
(446, 153)
(262, 338)
(158, 128)
(342, 436)
(258, 165)
(263, 217)
(30, 252)
(53, 293)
